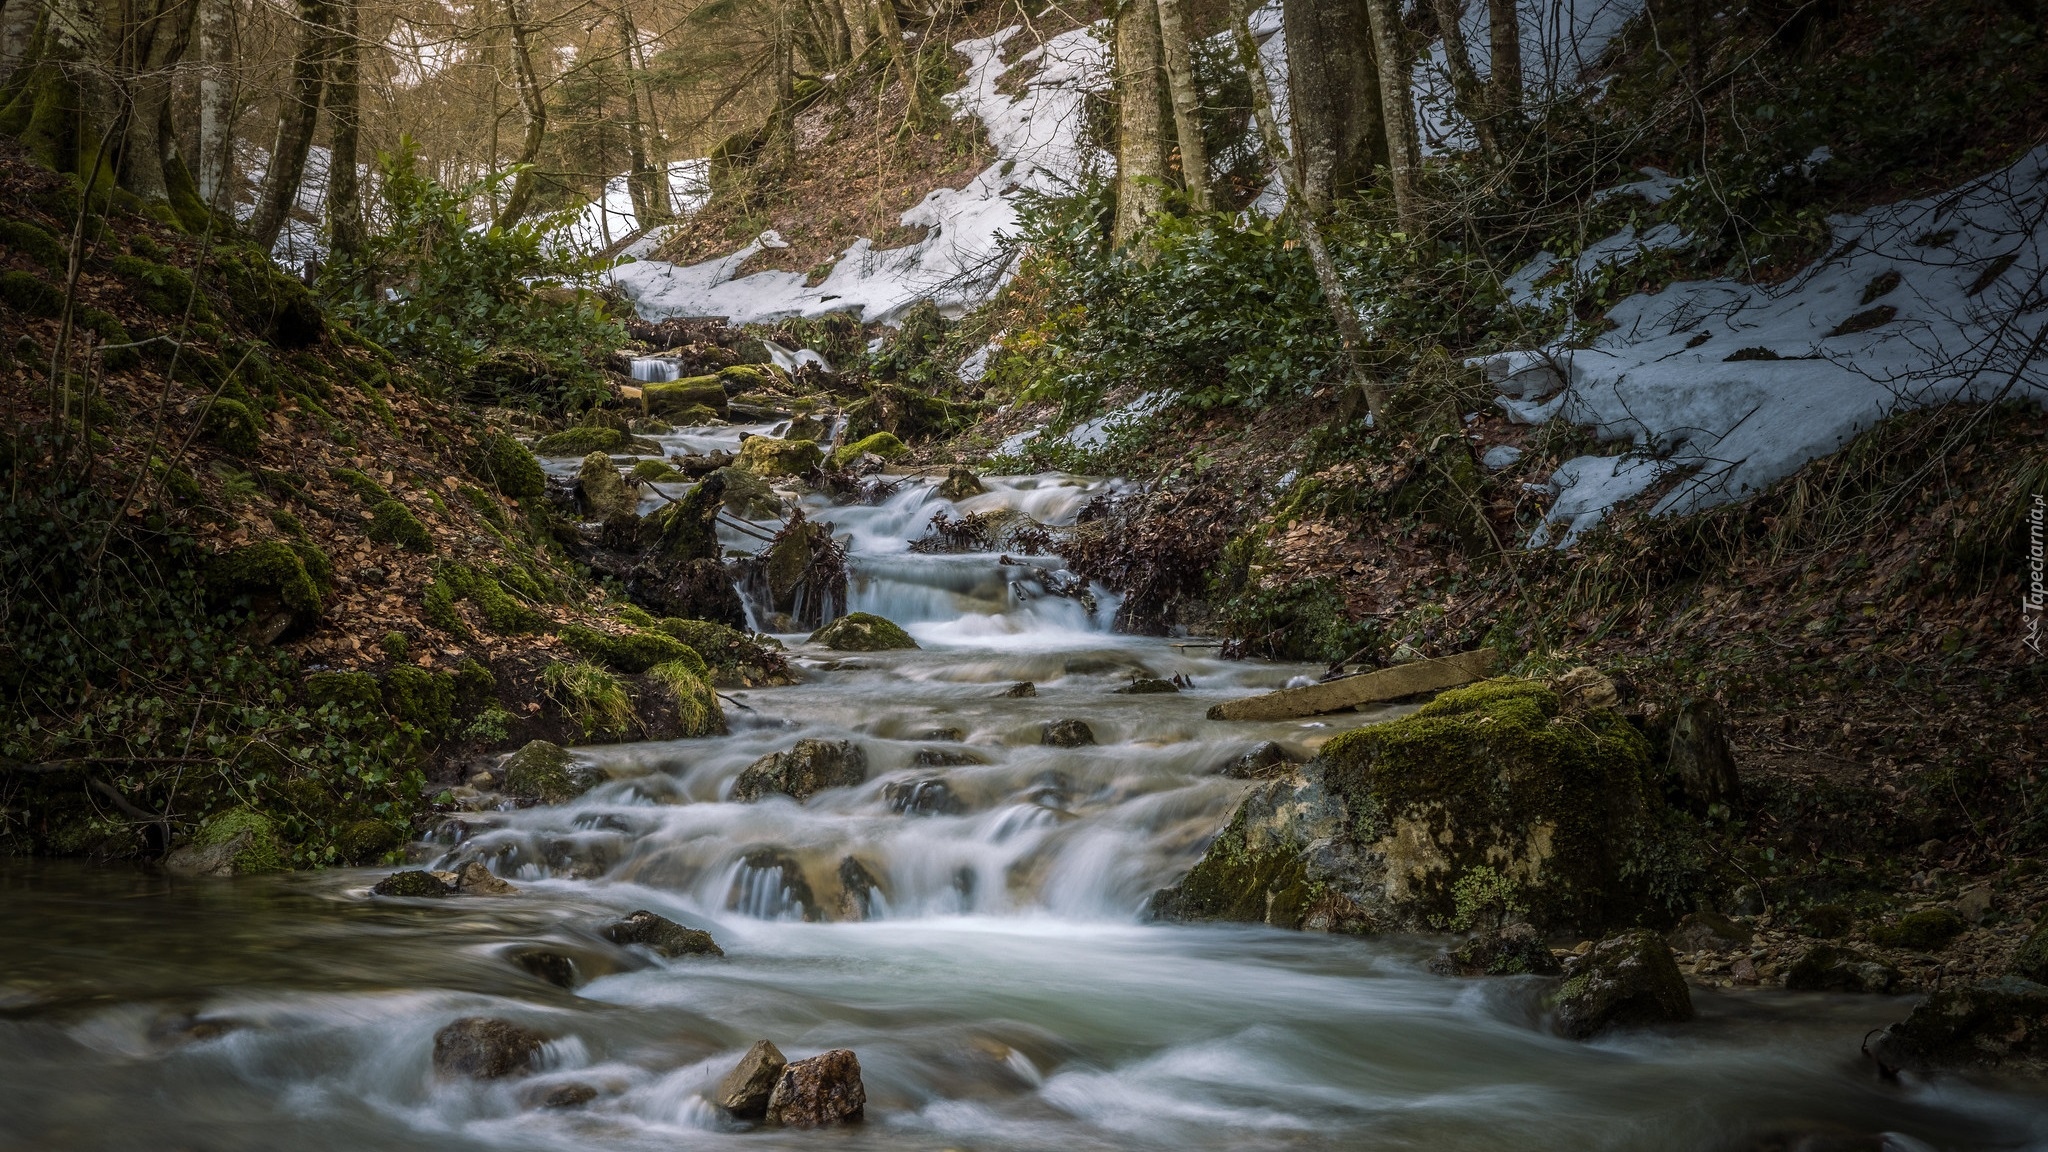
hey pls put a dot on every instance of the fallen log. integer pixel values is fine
(1370, 688)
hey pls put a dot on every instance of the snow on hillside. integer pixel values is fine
(1561, 42)
(961, 261)
(1734, 386)
(610, 218)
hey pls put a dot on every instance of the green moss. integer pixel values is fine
(697, 711)
(35, 244)
(349, 692)
(368, 841)
(862, 632)
(1928, 930)
(230, 424)
(502, 612)
(395, 645)
(267, 300)
(1243, 879)
(746, 378)
(393, 523)
(631, 652)
(160, 287)
(26, 292)
(581, 441)
(764, 456)
(684, 401)
(270, 569)
(883, 444)
(438, 606)
(546, 773)
(485, 506)
(369, 490)
(421, 698)
(506, 465)
(637, 616)
(475, 687)
(261, 851)
(593, 697)
(657, 471)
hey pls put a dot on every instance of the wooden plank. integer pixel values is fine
(1372, 687)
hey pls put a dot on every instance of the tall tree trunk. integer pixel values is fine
(345, 120)
(1504, 58)
(217, 96)
(643, 184)
(1397, 107)
(1187, 102)
(783, 130)
(536, 119)
(1340, 138)
(892, 31)
(153, 40)
(1350, 333)
(17, 28)
(1141, 150)
(1467, 93)
(298, 112)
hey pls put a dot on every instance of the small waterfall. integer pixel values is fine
(655, 371)
(790, 360)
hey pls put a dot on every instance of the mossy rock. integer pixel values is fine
(960, 484)
(605, 494)
(1928, 930)
(268, 573)
(807, 768)
(366, 489)
(630, 652)
(1629, 979)
(506, 465)
(657, 472)
(159, 287)
(237, 842)
(1378, 831)
(741, 378)
(582, 441)
(2031, 961)
(1827, 968)
(766, 456)
(907, 412)
(421, 698)
(356, 692)
(696, 704)
(278, 306)
(365, 841)
(30, 294)
(882, 444)
(545, 773)
(662, 935)
(862, 632)
(391, 522)
(748, 496)
(678, 400)
(35, 244)
(1996, 1023)
(688, 529)
(412, 884)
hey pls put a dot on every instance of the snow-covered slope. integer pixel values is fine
(1040, 147)
(1737, 385)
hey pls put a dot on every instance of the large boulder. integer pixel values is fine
(412, 884)
(661, 935)
(1629, 979)
(685, 401)
(2001, 1023)
(236, 842)
(545, 773)
(1492, 785)
(862, 632)
(604, 491)
(1701, 764)
(1066, 734)
(748, 496)
(746, 1089)
(766, 456)
(822, 1090)
(1828, 968)
(486, 1049)
(806, 769)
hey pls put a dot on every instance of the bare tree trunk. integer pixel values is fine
(1141, 151)
(345, 120)
(1504, 68)
(1397, 107)
(536, 119)
(650, 197)
(1468, 93)
(151, 45)
(217, 86)
(892, 31)
(1340, 138)
(1187, 103)
(17, 27)
(783, 131)
(298, 112)
(1350, 333)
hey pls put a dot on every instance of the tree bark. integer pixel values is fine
(1397, 108)
(151, 45)
(345, 121)
(17, 28)
(1504, 66)
(1350, 333)
(783, 129)
(298, 112)
(643, 184)
(1187, 103)
(1340, 138)
(1467, 93)
(536, 120)
(892, 31)
(1141, 152)
(217, 86)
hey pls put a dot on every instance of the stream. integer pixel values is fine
(988, 959)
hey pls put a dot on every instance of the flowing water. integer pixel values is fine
(969, 921)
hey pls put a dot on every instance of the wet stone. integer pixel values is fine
(571, 1095)
(746, 1089)
(944, 758)
(941, 735)
(552, 967)
(1708, 932)
(820, 1091)
(806, 769)
(412, 884)
(1148, 686)
(1067, 734)
(1515, 950)
(486, 1049)
(476, 880)
(1019, 690)
(1627, 979)
(1263, 762)
(1827, 968)
(661, 934)
(922, 798)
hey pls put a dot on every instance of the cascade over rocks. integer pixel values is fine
(482, 1048)
(1487, 785)
(801, 575)
(809, 767)
(820, 1091)
(1628, 979)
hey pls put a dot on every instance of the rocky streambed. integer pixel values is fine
(1010, 888)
